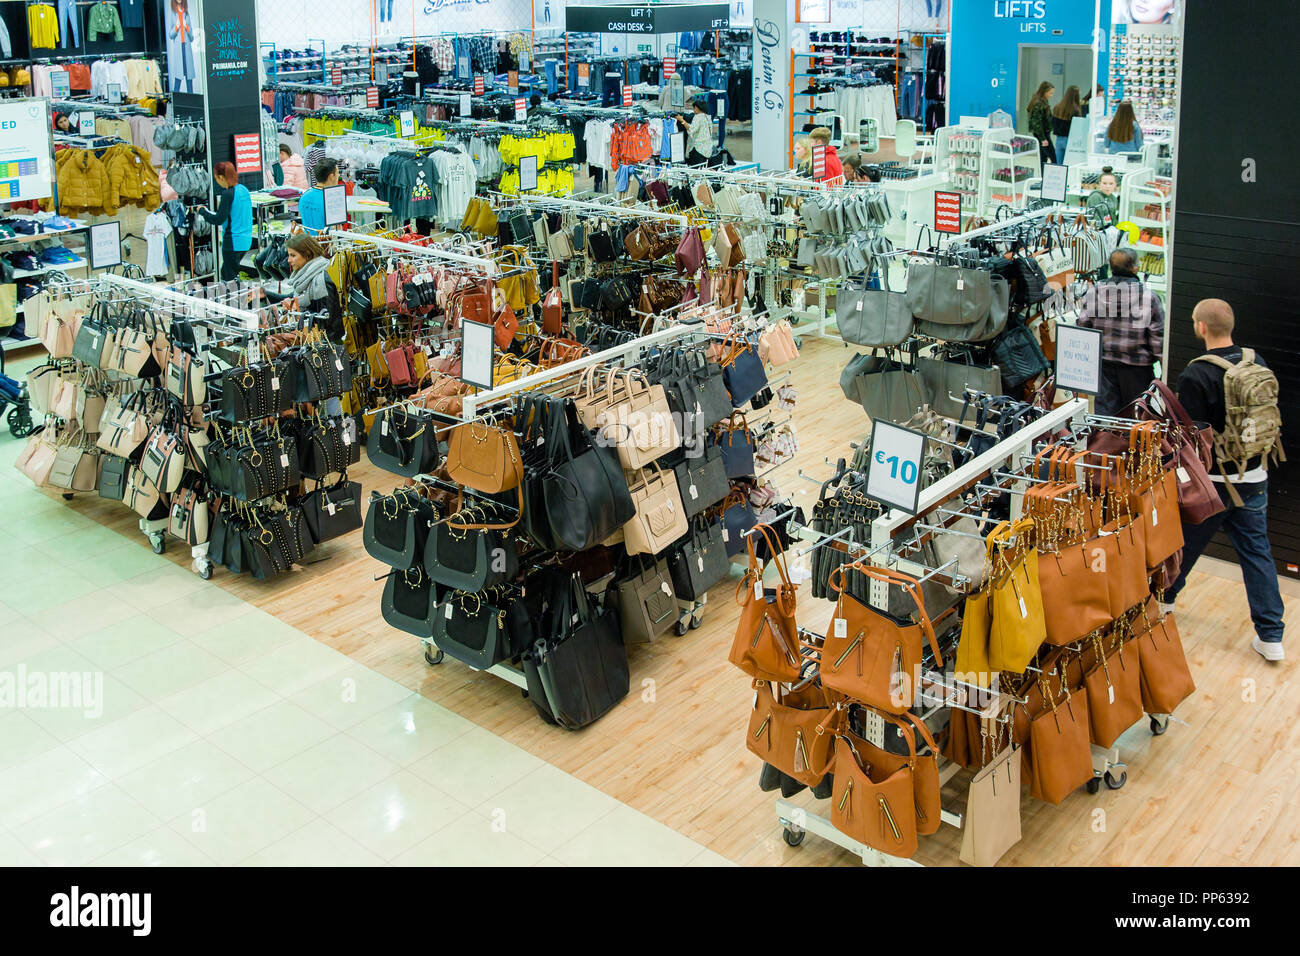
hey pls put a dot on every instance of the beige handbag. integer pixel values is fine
(185, 377)
(64, 402)
(660, 518)
(189, 518)
(142, 496)
(75, 468)
(37, 459)
(163, 461)
(42, 383)
(126, 429)
(62, 322)
(992, 821)
(634, 416)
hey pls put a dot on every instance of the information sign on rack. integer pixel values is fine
(106, 245)
(947, 212)
(372, 96)
(819, 162)
(466, 109)
(670, 66)
(894, 474)
(521, 109)
(113, 92)
(512, 81)
(1055, 180)
(248, 152)
(527, 174)
(1078, 359)
(477, 350)
(584, 74)
(86, 123)
(59, 84)
(336, 205)
(525, 63)
(627, 95)
(677, 147)
(478, 84)
(406, 119)
(336, 75)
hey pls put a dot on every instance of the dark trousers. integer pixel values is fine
(1247, 526)
(1046, 154)
(230, 260)
(1121, 385)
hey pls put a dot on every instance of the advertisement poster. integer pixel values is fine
(231, 77)
(24, 150)
(1143, 11)
(183, 48)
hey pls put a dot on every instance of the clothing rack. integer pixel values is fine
(490, 266)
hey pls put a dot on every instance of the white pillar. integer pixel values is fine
(773, 26)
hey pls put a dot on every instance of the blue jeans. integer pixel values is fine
(1061, 143)
(67, 14)
(1247, 526)
(380, 4)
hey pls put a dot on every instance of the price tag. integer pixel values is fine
(663, 586)
(1024, 612)
(1183, 476)
(758, 590)
(1078, 359)
(694, 492)
(347, 438)
(521, 110)
(275, 384)
(841, 627)
(383, 426)
(446, 611)
(726, 535)
(338, 364)
(329, 506)
(478, 85)
(284, 461)
(720, 107)
(465, 108)
(893, 477)
(407, 121)
(86, 124)
(961, 284)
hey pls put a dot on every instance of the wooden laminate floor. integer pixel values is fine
(1221, 787)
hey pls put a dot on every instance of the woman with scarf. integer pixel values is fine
(310, 285)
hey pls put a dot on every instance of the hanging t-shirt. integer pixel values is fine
(157, 227)
(423, 195)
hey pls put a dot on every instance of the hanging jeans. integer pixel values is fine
(380, 6)
(611, 90)
(68, 25)
(716, 97)
(552, 77)
(1247, 526)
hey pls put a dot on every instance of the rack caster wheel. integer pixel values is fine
(682, 627)
(433, 659)
(792, 836)
(205, 572)
(1094, 785)
(1114, 783)
(67, 496)
(696, 621)
(1158, 728)
(158, 543)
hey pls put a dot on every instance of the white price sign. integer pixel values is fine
(1055, 180)
(465, 107)
(407, 120)
(86, 124)
(477, 352)
(894, 476)
(677, 146)
(336, 205)
(114, 91)
(527, 173)
(106, 245)
(1078, 359)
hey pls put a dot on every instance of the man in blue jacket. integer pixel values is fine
(311, 207)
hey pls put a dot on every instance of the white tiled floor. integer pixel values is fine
(228, 737)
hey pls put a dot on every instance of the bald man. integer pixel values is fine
(1201, 392)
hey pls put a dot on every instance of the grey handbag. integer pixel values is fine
(702, 480)
(885, 388)
(969, 551)
(945, 378)
(814, 216)
(873, 317)
(952, 301)
(647, 603)
(807, 255)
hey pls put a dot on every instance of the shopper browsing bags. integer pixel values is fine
(1131, 320)
(1231, 388)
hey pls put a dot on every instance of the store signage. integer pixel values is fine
(666, 18)
(947, 212)
(86, 123)
(527, 174)
(771, 85)
(336, 205)
(521, 109)
(478, 85)
(1030, 11)
(584, 74)
(406, 122)
(512, 81)
(227, 60)
(1078, 359)
(465, 108)
(1055, 181)
(627, 96)
(106, 245)
(372, 96)
(677, 147)
(336, 75)
(670, 66)
(477, 347)
(248, 152)
(893, 476)
(59, 87)
(113, 93)
(814, 11)
(25, 150)
(819, 162)
(525, 64)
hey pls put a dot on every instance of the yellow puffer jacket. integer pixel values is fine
(83, 184)
(131, 177)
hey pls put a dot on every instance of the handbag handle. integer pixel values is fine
(785, 594)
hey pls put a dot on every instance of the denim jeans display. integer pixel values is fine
(1247, 527)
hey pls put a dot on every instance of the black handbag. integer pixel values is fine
(471, 560)
(326, 447)
(702, 480)
(699, 561)
(266, 467)
(582, 667)
(585, 493)
(250, 392)
(616, 293)
(1018, 355)
(410, 602)
(114, 474)
(646, 602)
(397, 527)
(332, 512)
(315, 371)
(483, 628)
(600, 246)
(1031, 283)
(276, 540)
(403, 441)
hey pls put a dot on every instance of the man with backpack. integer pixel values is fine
(1231, 388)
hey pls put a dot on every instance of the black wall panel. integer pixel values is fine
(1236, 229)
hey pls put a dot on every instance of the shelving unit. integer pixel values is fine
(1006, 151)
(1136, 198)
(9, 344)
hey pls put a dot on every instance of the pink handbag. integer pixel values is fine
(36, 460)
(776, 345)
(62, 322)
(690, 252)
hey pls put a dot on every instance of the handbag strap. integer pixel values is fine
(906, 581)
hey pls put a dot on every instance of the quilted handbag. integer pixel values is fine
(660, 518)
(646, 601)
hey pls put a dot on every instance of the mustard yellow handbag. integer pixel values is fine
(1017, 623)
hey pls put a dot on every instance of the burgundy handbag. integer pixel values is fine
(690, 252)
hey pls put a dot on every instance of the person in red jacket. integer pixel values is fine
(821, 136)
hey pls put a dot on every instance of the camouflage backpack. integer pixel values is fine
(1252, 424)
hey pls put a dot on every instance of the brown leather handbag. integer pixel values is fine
(485, 458)
(1059, 756)
(925, 768)
(1155, 491)
(766, 644)
(874, 802)
(1072, 571)
(504, 327)
(638, 244)
(793, 730)
(1112, 686)
(867, 655)
(1166, 681)
(1126, 574)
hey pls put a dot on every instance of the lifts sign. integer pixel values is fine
(1033, 12)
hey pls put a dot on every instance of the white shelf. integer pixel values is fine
(57, 267)
(1152, 223)
(1148, 247)
(12, 344)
